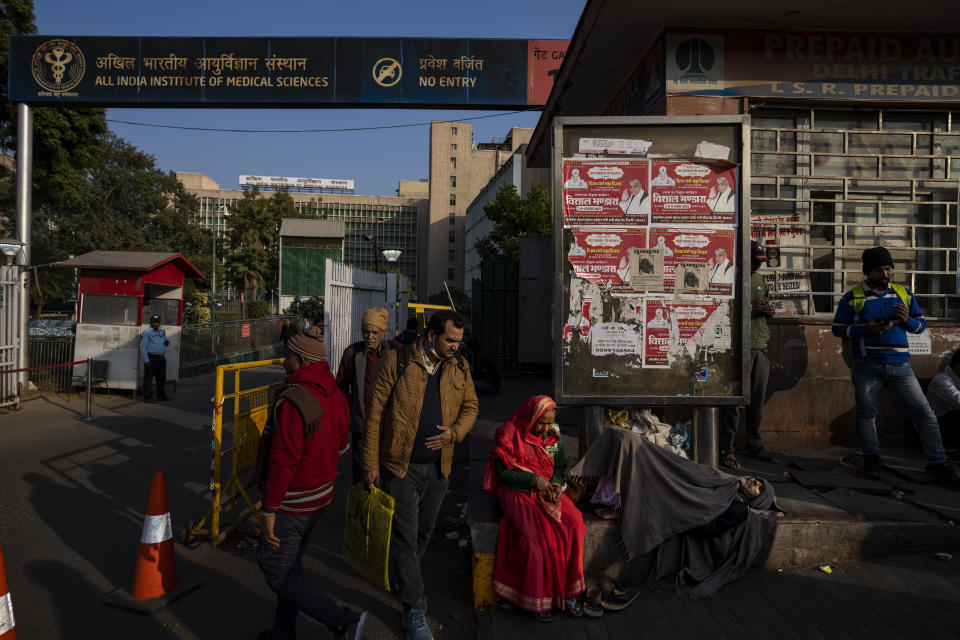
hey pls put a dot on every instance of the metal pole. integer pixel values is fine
(705, 435)
(213, 286)
(89, 413)
(24, 207)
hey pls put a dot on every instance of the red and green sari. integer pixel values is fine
(540, 545)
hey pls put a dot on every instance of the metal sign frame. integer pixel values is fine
(741, 125)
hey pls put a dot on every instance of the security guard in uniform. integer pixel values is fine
(153, 346)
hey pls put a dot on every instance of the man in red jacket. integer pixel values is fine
(310, 434)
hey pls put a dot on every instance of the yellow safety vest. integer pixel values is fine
(859, 298)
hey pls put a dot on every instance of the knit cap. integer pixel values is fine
(309, 345)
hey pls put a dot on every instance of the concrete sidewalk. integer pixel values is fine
(833, 514)
(904, 597)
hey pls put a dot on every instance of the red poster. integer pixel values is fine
(600, 254)
(712, 246)
(606, 193)
(691, 191)
(245, 330)
(674, 329)
(656, 333)
(690, 318)
(544, 58)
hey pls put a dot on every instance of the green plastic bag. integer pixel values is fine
(366, 533)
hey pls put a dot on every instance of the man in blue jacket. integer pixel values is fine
(153, 348)
(876, 316)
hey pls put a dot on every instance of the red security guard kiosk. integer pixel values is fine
(119, 292)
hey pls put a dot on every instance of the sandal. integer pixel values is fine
(728, 460)
(591, 604)
(573, 608)
(545, 616)
(619, 600)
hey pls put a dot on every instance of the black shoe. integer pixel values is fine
(353, 631)
(871, 463)
(165, 398)
(945, 474)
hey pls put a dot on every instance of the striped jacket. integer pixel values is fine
(889, 347)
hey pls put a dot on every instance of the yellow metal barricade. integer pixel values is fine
(250, 410)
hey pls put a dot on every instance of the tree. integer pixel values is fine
(66, 141)
(311, 308)
(126, 204)
(255, 238)
(460, 301)
(514, 217)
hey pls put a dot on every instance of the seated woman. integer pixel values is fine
(539, 563)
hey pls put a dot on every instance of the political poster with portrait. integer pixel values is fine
(683, 327)
(693, 191)
(613, 192)
(707, 245)
(701, 322)
(601, 254)
(656, 333)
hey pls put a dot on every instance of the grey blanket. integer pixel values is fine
(663, 499)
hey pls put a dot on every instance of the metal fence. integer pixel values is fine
(232, 338)
(44, 352)
(349, 292)
(828, 183)
(9, 334)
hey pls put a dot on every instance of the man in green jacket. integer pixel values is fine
(423, 402)
(760, 310)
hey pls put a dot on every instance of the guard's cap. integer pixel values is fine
(154, 318)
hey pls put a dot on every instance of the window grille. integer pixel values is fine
(828, 183)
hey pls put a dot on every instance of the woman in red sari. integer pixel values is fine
(539, 563)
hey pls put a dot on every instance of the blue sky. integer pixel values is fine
(375, 159)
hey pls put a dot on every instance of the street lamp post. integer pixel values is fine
(392, 256)
(10, 248)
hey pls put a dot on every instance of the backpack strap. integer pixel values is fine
(308, 407)
(858, 301)
(902, 293)
(403, 359)
(859, 298)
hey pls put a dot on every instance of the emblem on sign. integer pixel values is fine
(387, 72)
(58, 65)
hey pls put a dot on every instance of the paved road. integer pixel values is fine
(72, 506)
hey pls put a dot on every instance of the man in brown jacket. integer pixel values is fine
(423, 402)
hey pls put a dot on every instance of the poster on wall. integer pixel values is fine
(693, 191)
(657, 332)
(786, 275)
(615, 338)
(606, 193)
(702, 244)
(646, 269)
(601, 254)
(683, 328)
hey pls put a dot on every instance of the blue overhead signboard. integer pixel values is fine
(282, 72)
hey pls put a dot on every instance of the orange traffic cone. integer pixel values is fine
(8, 629)
(156, 572)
